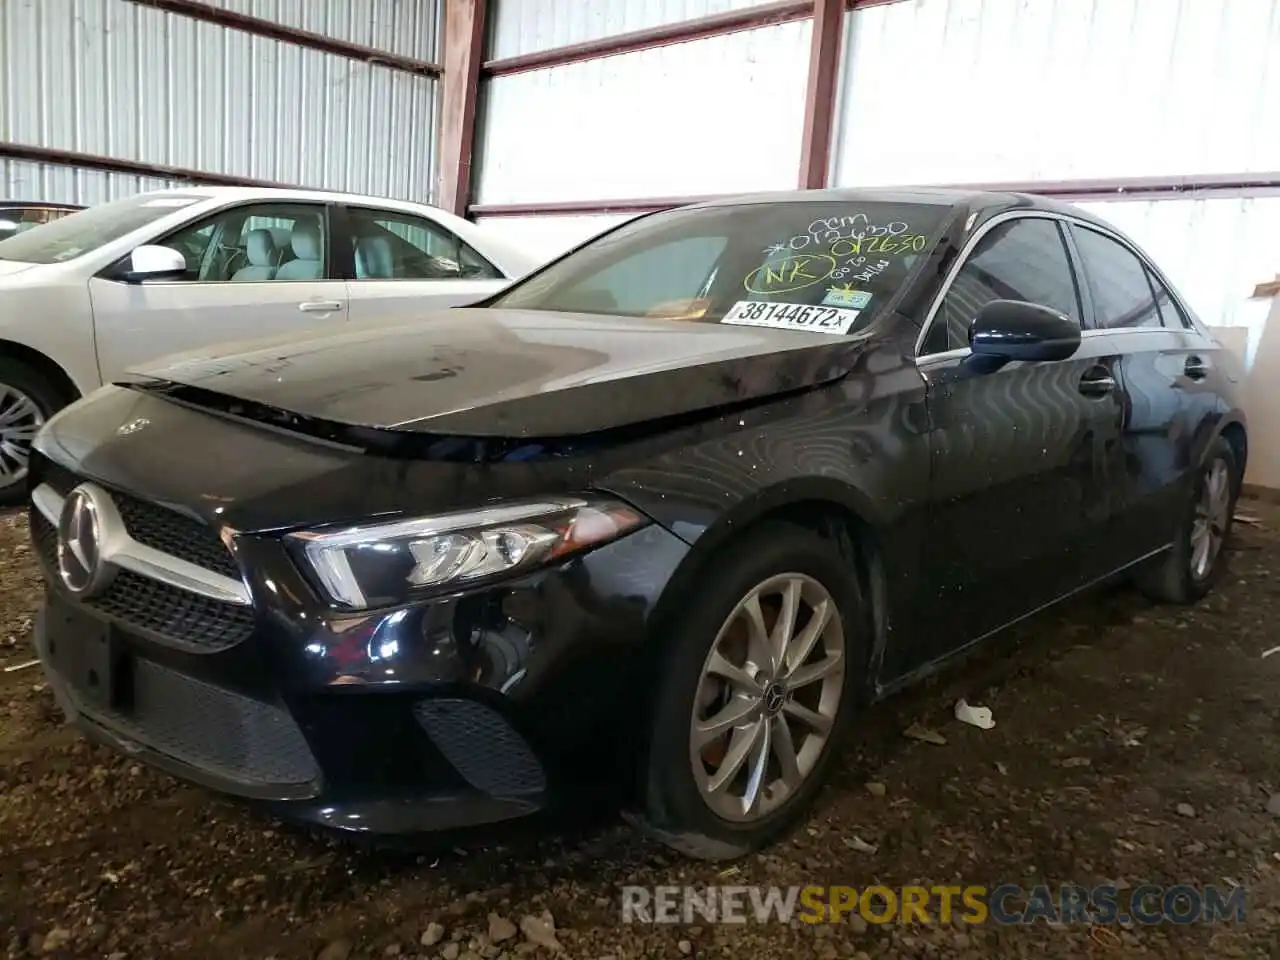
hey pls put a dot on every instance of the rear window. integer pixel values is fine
(807, 266)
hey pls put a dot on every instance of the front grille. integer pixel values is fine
(157, 527)
(488, 753)
(140, 603)
(222, 733)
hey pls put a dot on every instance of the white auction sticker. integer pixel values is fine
(792, 316)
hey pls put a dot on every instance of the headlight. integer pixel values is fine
(386, 563)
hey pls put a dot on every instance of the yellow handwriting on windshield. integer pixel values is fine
(789, 273)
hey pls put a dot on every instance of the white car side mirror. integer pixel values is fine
(152, 262)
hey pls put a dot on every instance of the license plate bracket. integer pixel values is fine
(89, 655)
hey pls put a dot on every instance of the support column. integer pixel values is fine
(463, 52)
(820, 97)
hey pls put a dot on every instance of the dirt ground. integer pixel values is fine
(1133, 744)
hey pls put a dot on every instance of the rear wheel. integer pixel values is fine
(1188, 571)
(764, 671)
(27, 400)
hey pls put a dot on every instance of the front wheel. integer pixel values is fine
(764, 669)
(26, 402)
(1189, 570)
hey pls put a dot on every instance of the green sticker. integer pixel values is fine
(844, 297)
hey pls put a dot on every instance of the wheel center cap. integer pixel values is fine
(775, 695)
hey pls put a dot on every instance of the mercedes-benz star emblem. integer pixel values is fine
(80, 563)
(774, 699)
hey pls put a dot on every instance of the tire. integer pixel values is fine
(1180, 576)
(675, 807)
(21, 386)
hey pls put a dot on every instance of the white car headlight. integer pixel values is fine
(387, 563)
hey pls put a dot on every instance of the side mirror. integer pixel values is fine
(8, 228)
(151, 262)
(1014, 330)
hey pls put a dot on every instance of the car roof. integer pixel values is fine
(283, 193)
(984, 202)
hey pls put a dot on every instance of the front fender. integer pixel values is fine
(56, 321)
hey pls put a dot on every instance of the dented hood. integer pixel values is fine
(508, 373)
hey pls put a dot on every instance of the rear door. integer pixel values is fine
(1167, 370)
(253, 270)
(1021, 486)
(398, 264)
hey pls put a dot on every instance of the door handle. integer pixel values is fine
(1097, 382)
(1196, 368)
(320, 306)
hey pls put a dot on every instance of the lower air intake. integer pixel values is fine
(485, 750)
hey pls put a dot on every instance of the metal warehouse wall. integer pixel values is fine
(525, 26)
(989, 91)
(120, 80)
(972, 91)
(706, 116)
(405, 27)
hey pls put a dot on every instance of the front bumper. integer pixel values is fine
(456, 712)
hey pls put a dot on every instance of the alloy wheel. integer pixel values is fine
(1212, 515)
(20, 419)
(767, 698)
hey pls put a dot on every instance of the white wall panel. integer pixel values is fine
(954, 91)
(1214, 251)
(714, 116)
(404, 27)
(125, 81)
(20, 180)
(551, 236)
(526, 26)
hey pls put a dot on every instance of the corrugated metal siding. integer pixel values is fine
(984, 90)
(54, 183)
(1214, 251)
(527, 26)
(712, 116)
(404, 27)
(121, 80)
(549, 237)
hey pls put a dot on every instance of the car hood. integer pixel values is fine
(507, 373)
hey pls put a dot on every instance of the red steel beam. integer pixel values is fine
(700, 28)
(1133, 188)
(93, 161)
(301, 38)
(751, 18)
(463, 51)
(820, 95)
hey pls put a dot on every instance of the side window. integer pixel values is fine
(256, 243)
(388, 245)
(1122, 292)
(1022, 259)
(1171, 314)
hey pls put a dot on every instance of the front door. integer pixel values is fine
(1023, 484)
(253, 271)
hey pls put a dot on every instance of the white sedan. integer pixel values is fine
(85, 297)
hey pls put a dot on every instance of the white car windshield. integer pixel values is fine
(85, 231)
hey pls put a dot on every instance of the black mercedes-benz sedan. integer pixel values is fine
(665, 514)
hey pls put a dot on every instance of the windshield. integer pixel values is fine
(86, 230)
(826, 267)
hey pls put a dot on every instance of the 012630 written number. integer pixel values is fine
(792, 316)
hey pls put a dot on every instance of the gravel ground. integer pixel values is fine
(1132, 744)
